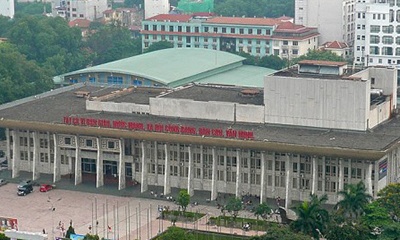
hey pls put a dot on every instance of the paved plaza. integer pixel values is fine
(113, 214)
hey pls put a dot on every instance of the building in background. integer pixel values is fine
(256, 36)
(126, 17)
(155, 7)
(335, 20)
(195, 6)
(7, 8)
(377, 33)
(339, 48)
(79, 9)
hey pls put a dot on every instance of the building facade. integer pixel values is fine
(256, 36)
(377, 33)
(155, 7)
(7, 8)
(335, 20)
(221, 139)
(79, 9)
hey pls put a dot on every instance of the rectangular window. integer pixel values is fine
(375, 28)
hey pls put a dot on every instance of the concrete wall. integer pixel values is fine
(185, 108)
(326, 103)
(250, 113)
(117, 107)
(379, 113)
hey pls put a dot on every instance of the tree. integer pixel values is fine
(312, 218)
(262, 210)
(340, 229)
(3, 237)
(175, 233)
(389, 198)
(233, 206)
(19, 77)
(281, 232)
(31, 8)
(159, 46)
(183, 199)
(112, 42)
(272, 61)
(319, 55)
(354, 200)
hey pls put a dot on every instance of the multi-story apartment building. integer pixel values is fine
(256, 36)
(126, 17)
(155, 7)
(377, 33)
(79, 9)
(334, 19)
(7, 8)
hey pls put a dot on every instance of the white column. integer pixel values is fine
(341, 175)
(314, 175)
(167, 176)
(190, 173)
(15, 158)
(99, 165)
(78, 162)
(273, 175)
(201, 166)
(288, 199)
(29, 151)
(121, 165)
(238, 172)
(376, 178)
(8, 149)
(156, 161)
(263, 195)
(214, 193)
(144, 182)
(36, 156)
(323, 174)
(57, 162)
(368, 178)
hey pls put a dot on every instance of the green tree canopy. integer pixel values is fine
(312, 218)
(262, 210)
(233, 206)
(281, 232)
(158, 46)
(111, 43)
(50, 42)
(19, 77)
(319, 55)
(91, 237)
(354, 200)
(31, 8)
(183, 199)
(389, 198)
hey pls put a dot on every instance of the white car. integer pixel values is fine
(3, 182)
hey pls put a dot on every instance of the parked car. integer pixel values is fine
(25, 183)
(3, 182)
(24, 190)
(45, 187)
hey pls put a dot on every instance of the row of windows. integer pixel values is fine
(385, 39)
(196, 29)
(387, 51)
(44, 157)
(385, 29)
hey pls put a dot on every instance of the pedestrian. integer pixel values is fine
(44, 231)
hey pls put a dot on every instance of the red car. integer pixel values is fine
(45, 187)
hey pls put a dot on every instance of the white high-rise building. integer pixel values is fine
(377, 33)
(155, 7)
(7, 8)
(334, 19)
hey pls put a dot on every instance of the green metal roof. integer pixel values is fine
(170, 66)
(245, 76)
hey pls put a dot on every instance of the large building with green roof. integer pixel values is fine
(171, 68)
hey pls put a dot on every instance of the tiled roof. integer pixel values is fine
(244, 21)
(81, 23)
(171, 17)
(291, 27)
(336, 44)
(322, 63)
(108, 11)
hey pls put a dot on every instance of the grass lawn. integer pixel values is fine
(180, 216)
(200, 235)
(228, 221)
